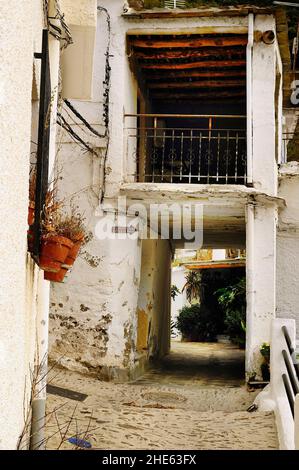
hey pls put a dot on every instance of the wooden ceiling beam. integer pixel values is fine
(189, 54)
(200, 84)
(195, 65)
(202, 95)
(188, 42)
(196, 74)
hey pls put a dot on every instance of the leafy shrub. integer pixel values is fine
(233, 301)
(197, 323)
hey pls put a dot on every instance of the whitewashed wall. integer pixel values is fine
(179, 280)
(288, 244)
(21, 24)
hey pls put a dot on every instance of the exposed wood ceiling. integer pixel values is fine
(204, 67)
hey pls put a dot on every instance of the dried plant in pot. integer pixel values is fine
(54, 245)
(71, 227)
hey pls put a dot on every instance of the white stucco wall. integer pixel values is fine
(154, 298)
(288, 245)
(260, 282)
(178, 278)
(21, 280)
(78, 59)
(263, 105)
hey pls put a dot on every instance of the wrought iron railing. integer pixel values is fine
(291, 378)
(290, 146)
(211, 152)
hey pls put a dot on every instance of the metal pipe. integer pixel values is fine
(249, 98)
(250, 287)
(268, 37)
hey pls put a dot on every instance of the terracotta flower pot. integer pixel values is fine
(71, 257)
(54, 250)
(31, 211)
(55, 277)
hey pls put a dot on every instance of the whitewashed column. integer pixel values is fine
(261, 281)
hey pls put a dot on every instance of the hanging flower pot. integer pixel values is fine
(31, 210)
(54, 251)
(55, 277)
(73, 253)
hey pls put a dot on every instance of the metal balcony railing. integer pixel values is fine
(290, 147)
(214, 153)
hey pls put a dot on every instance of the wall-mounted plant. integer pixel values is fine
(62, 233)
(62, 237)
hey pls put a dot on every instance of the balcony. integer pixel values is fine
(187, 149)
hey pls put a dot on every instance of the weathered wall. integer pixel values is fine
(21, 280)
(260, 281)
(153, 333)
(78, 59)
(94, 313)
(288, 244)
(264, 122)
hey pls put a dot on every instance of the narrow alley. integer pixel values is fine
(195, 399)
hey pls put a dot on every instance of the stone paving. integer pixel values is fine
(194, 399)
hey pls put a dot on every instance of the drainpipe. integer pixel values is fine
(249, 285)
(249, 98)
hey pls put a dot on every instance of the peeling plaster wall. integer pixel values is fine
(21, 24)
(288, 245)
(92, 314)
(154, 298)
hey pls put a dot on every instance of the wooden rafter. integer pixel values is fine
(190, 54)
(206, 94)
(195, 65)
(189, 42)
(201, 84)
(196, 74)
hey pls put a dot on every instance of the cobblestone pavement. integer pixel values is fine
(195, 399)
